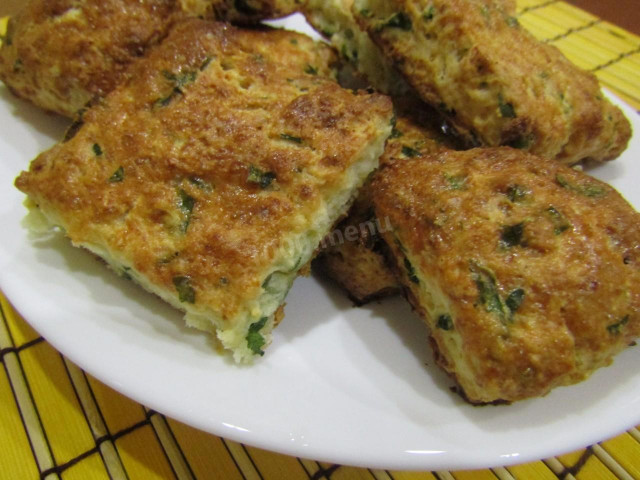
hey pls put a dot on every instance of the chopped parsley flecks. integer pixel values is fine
(588, 190)
(429, 13)
(264, 179)
(507, 109)
(560, 222)
(290, 138)
(117, 176)
(488, 294)
(311, 70)
(97, 150)
(186, 203)
(516, 193)
(512, 235)
(186, 293)
(444, 322)
(255, 340)
(395, 133)
(411, 272)
(201, 183)
(512, 22)
(615, 328)
(456, 182)
(178, 81)
(398, 20)
(410, 152)
(514, 300)
(366, 13)
(205, 63)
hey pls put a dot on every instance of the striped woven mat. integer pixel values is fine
(57, 422)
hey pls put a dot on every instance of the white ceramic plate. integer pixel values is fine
(341, 384)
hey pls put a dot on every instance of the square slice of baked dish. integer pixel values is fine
(211, 176)
(525, 270)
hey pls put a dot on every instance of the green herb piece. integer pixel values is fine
(164, 101)
(263, 179)
(516, 193)
(411, 272)
(255, 340)
(366, 13)
(293, 41)
(398, 20)
(311, 70)
(511, 235)
(409, 152)
(186, 293)
(506, 109)
(456, 182)
(206, 63)
(514, 300)
(395, 133)
(168, 258)
(290, 138)
(117, 176)
(429, 13)
(201, 183)
(97, 150)
(488, 294)
(178, 80)
(186, 203)
(559, 221)
(512, 22)
(17, 65)
(614, 329)
(445, 322)
(588, 190)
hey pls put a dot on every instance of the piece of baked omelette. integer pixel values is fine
(354, 255)
(526, 271)
(62, 54)
(495, 82)
(211, 176)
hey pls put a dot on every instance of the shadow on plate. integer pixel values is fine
(51, 125)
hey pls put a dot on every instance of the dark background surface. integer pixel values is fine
(625, 13)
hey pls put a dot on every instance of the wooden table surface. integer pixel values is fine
(625, 13)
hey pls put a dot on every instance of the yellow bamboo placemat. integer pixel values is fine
(57, 422)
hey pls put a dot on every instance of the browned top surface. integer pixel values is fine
(62, 53)
(570, 242)
(496, 82)
(223, 143)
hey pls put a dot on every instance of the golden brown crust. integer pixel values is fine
(60, 54)
(220, 144)
(494, 80)
(535, 264)
(353, 255)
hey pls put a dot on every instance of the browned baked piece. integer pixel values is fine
(494, 81)
(526, 272)
(62, 54)
(212, 174)
(353, 254)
